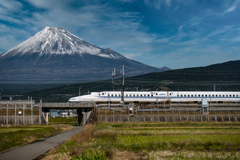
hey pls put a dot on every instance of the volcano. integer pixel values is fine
(56, 54)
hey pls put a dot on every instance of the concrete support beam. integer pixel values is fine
(46, 111)
(80, 116)
(83, 115)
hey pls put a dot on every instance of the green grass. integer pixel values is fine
(17, 136)
(63, 120)
(184, 140)
(90, 154)
(179, 142)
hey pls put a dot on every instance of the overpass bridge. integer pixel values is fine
(83, 109)
(10, 108)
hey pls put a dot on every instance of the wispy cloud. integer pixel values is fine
(158, 3)
(232, 7)
(220, 31)
(6, 6)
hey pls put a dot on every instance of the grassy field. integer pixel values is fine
(63, 120)
(21, 135)
(154, 141)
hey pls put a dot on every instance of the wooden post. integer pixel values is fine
(15, 118)
(105, 115)
(113, 115)
(31, 112)
(151, 114)
(7, 116)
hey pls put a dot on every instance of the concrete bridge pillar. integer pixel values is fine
(83, 115)
(46, 111)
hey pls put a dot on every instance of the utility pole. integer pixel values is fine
(121, 73)
(122, 67)
(113, 73)
(79, 90)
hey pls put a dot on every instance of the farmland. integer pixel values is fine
(14, 136)
(185, 140)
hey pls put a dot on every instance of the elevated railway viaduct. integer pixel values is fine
(37, 113)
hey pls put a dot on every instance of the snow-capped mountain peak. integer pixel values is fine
(52, 40)
(56, 54)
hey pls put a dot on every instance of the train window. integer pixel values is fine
(226, 95)
(181, 95)
(137, 95)
(237, 95)
(156, 94)
(102, 93)
(188, 96)
(191, 95)
(108, 95)
(195, 95)
(233, 95)
(134, 95)
(144, 95)
(148, 95)
(170, 94)
(178, 95)
(202, 95)
(199, 95)
(220, 95)
(185, 95)
(216, 95)
(99, 94)
(209, 95)
(230, 95)
(152, 95)
(223, 95)
(212, 95)
(205, 95)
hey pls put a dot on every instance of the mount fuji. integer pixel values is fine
(56, 54)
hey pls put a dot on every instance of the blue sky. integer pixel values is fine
(172, 33)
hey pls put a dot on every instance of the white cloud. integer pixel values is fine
(8, 10)
(131, 55)
(8, 36)
(10, 5)
(232, 7)
(220, 31)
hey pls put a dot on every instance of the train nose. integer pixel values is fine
(71, 99)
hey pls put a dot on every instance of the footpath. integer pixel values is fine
(35, 149)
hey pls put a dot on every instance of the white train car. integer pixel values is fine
(154, 96)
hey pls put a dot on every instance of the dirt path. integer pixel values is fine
(38, 148)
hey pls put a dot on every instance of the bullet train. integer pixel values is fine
(157, 96)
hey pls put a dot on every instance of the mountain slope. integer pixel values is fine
(56, 54)
(227, 71)
(225, 76)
